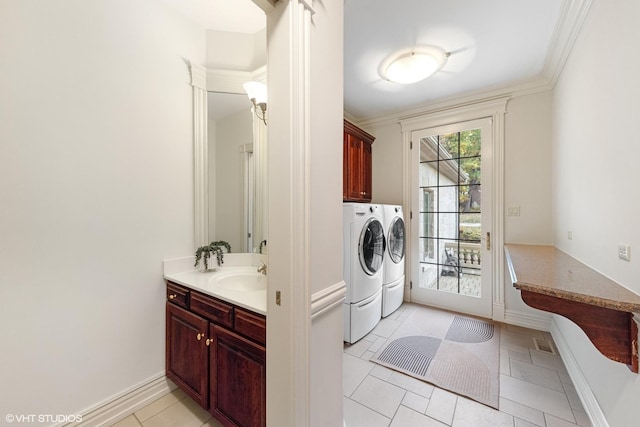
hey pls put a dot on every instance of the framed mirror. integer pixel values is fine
(237, 172)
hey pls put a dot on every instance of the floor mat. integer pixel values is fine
(455, 352)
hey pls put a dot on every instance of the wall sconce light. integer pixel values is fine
(257, 93)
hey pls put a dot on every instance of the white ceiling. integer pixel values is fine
(493, 44)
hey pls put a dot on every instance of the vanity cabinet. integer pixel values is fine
(187, 353)
(356, 155)
(237, 379)
(215, 353)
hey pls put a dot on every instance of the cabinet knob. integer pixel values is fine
(172, 296)
(200, 336)
(209, 341)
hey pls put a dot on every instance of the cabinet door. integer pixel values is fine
(366, 171)
(238, 379)
(345, 166)
(186, 353)
(354, 168)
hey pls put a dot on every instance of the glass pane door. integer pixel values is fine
(453, 214)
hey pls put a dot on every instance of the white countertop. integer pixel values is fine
(255, 301)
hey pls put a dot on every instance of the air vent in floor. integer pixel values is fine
(544, 345)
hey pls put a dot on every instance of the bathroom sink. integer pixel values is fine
(242, 281)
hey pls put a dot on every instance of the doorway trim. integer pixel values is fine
(492, 108)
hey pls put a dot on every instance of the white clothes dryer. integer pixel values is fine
(393, 265)
(364, 249)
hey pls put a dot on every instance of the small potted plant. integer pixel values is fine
(203, 253)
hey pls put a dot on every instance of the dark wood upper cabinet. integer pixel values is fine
(356, 174)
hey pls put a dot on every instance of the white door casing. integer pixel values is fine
(494, 110)
(441, 179)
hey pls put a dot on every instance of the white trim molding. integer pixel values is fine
(527, 320)
(454, 114)
(200, 156)
(588, 399)
(300, 228)
(327, 299)
(289, 30)
(231, 81)
(266, 5)
(198, 75)
(121, 406)
(572, 17)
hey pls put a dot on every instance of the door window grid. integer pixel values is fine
(450, 207)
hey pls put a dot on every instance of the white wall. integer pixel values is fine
(528, 169)
(386, 163)
(595, 153)
(236, 51)
(96, 178)
(527, 184)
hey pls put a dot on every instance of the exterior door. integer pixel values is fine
(451, 215)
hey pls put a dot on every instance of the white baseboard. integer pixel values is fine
(528, 320)
(588, 399)
(124, 404)
(498, 312)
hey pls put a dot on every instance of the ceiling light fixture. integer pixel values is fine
(413, 65)
(257, 93)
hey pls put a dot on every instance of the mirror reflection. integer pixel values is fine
(237, 172)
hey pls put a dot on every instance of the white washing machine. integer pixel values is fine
(393, 265)
(364, 250)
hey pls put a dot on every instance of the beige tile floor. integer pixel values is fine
(535, 390)
(175, 409)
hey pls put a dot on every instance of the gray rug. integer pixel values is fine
(455, 352)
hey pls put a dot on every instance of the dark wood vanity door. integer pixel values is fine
(186, 353)
(237, 379)
(251, 325)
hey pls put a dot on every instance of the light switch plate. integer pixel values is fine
(513, 211)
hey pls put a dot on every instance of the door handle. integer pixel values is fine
(488, 241)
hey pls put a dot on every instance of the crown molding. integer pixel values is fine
(231, 81)
(525, 88)
(266, 5)
(572, 18)
(197, 74)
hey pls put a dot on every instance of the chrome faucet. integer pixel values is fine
(263, 269)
